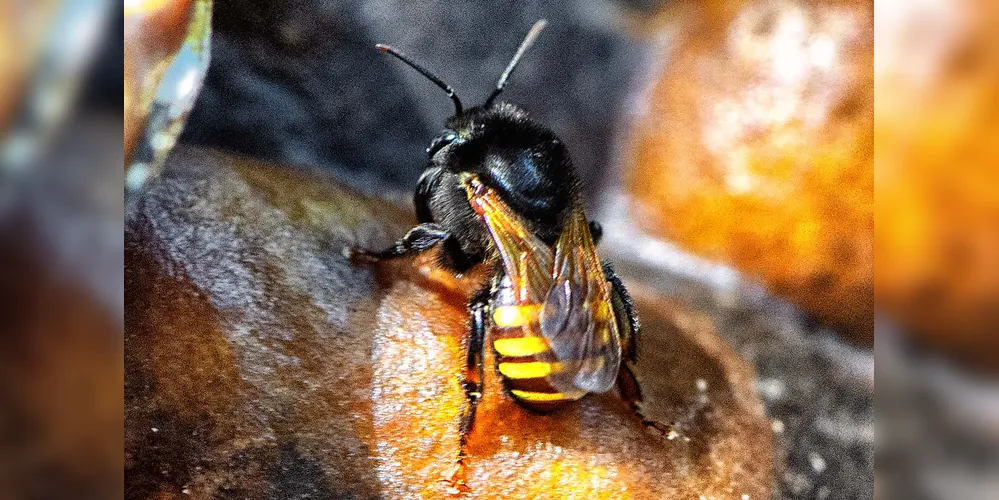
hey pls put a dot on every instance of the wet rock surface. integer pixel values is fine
(260, 364)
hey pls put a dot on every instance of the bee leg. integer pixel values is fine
(474, 364)
(628, 326)
(624, 312)
(471, 382)
(417, 240)
(631, 393)
(424, 189)
(596, 231)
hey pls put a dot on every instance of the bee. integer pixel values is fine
(500, 189)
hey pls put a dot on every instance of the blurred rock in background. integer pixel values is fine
(61, 289)
(937, 425)
(755, 148)
(22, 33)
(937, 241)
(61, 313)
(937, 175)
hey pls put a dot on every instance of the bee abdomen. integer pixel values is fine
(522, 359)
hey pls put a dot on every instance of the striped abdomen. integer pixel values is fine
(524, 358)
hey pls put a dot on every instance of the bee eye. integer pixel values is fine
(439, 143)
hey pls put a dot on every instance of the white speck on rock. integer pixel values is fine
(817, 462)
(777, 426)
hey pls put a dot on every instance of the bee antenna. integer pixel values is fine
(425, 72)
(524, 45)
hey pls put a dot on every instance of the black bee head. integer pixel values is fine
(510, 152)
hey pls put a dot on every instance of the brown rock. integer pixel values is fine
(260, 363)
(755, 148)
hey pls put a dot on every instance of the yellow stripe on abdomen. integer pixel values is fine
(538, 397)
(511, 316)
(532, 369)
(516, 347)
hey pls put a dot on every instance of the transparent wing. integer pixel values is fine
(526, 259)
(577, 318)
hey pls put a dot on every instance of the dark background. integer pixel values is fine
(302, 83)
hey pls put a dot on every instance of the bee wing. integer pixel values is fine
(526, 259)
(577, 318)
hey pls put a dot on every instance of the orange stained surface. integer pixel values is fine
(755, 148)
(595, 448)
